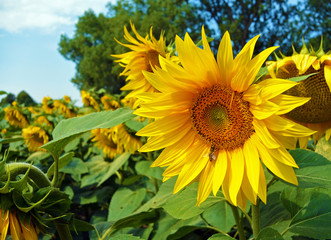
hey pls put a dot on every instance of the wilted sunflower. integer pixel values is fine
(130, 143)
(315, 114)
(216, 125)
(109, 103)
(19, 229)
(15, 117)
(34, 137)
(88, 100)
(106, 139)
(43, 121)
(144, 55)
(63, 109)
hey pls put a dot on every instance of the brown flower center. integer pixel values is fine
(317, 110)
(151, 60)
(221, 118)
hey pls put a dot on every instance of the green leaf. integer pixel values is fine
(314, 169)
(220, 236)
(69, 129)
(135, 125)
(124, 237)
(323, 147)
(165, 192)
(11, 140)
(63, 161)
(79, 225)
(314, 219)
(93, 196)
(37, 156)
(144, 168)
(3, 92)
(300, 78)
(269, 234)
(168, 225)
(183, 204)
(223, 220)
(100, 170)
(75, 166)
(124, 202)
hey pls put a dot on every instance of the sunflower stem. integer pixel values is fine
(38, 177)
(56, 171)
(256, 218)
(239, 222)
(63, 230)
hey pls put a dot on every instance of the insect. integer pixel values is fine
(211, 154)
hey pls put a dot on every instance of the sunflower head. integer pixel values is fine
(107, 140)
(44, 122)
(15, 117)
(88, 100)
(214, 124)
(144, 56)
(63, 109)
(110, 103)
(47, 105)
(34, 137)
(67, 99)
(20, 227)
(316, 66)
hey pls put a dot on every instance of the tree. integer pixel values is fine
(93, 41)
(24, 98)
(8, 99)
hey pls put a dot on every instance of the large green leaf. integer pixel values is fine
(269, 234)
(75, 166)
(93, 196)
(69, 129)
(101, 170)
(124, 202)
(143, 168)
(223, 220)
(314, 169)
(314, 219)
(183, 204)
(323, 147)
(168, 225)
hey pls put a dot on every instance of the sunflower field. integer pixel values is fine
(197, 146)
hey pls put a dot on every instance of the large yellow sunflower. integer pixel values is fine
(34, 137)
(18, 230)
(315, 114)
(216, 124)
(144, 55)
(14, 117)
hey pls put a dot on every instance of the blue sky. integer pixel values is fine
(29, 35)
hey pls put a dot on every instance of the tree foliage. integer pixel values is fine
(280, 22)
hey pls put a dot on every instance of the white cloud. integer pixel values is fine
(47, 15)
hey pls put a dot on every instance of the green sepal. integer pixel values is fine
(301, 78)
(24, 203)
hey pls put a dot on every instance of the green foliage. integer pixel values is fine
(24, 98)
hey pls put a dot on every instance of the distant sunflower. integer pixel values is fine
(130, 143)
(67, 99)
(43, 121)
(109, 103)
(88, 100)
(144, 56)
(315, 114)
(216, 125)
(47, 105)
(63, 109)
(34, 137)
(106, 139)
(19, 229)
(15, 118)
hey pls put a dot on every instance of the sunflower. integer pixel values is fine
(315, 114)
(129, 142)
(63, 109)
(15, 118)
(144, 55)
(34, 137)
(47, 105)
(88, 100)
(18, 229)
(106, 139)
(43, 121)
(67, 99)
(109, 103)
(216, 125)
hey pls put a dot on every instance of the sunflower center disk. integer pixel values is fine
(151, 59)
(221, 118)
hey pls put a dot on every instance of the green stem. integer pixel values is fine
(55, 181)
(39, 178)
(256, 218)
(239, 222)
(63, 230)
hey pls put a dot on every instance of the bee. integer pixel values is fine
(211, 154)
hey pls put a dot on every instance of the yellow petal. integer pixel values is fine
(220, 171)
(205, 182)
(263, 133)
(327, 75)
(225, 58)
(262, 186)
(264, 110)
(287, 103)
(236, 173)
(248, 190)
(15, 227)
(198, 159)
(4, 224)
(252, 162)
(274, 87)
